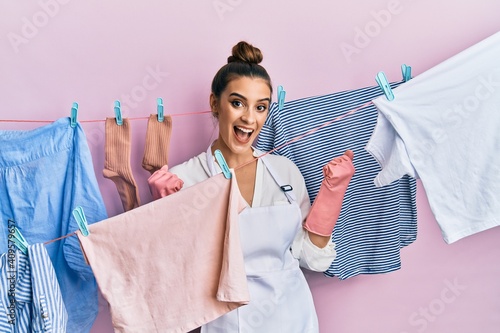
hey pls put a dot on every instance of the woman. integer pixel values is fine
(273, 240)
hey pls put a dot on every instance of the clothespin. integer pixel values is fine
(384, 85)
(18, 239)
(406, 71)
(74, 114)
(118, 113)
(222, 163)
(281, 97)
(159, 108)
(81, 220)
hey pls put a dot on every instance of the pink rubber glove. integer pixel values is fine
(326, 207)
(163, 183)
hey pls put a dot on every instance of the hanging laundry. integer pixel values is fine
(443, 127)
(30, 298)
(157, 143)
(374, 223)
(117, 162)
(44, 174)
(173, 264)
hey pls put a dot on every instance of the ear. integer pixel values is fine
(214, 105)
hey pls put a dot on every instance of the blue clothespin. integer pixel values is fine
(406, 71)
(81, 220)
(384, 85)
(118, 113)
(281, 97)
(74, 114)
(159, 108)
(222, 163)
(19, 241)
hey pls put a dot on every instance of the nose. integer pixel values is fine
(248, 116)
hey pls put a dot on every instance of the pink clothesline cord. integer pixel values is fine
(297, 138)
(97, 120)
(311, 131)
(59, 238)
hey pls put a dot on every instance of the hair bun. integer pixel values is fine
(244, 52)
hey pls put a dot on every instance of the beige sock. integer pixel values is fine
(117, 162)
(157, 143)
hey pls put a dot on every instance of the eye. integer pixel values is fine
(262, 108)
(237, 103)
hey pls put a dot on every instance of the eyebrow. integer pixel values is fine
(244, 98)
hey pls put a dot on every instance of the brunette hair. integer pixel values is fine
(244, 61)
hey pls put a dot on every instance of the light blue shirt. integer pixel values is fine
(44, 174)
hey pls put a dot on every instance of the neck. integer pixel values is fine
(233, 160)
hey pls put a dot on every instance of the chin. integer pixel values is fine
(241, 148)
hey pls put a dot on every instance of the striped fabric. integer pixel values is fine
(374, 223)
(30, 298)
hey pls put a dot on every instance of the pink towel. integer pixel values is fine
(173, 264)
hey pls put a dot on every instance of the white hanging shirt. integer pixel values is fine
(444, 128)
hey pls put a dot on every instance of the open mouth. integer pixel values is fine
(243, 134)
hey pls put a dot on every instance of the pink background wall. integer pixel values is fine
(55, 52)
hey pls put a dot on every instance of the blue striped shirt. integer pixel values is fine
(30, 298)
(374, 223)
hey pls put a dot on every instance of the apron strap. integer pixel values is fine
(287, 188)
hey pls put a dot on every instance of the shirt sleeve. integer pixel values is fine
(193, 171)
(309, 255)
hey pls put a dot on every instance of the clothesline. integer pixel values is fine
(311, 131)
(297, 138)
(59, 238)
(97, 120)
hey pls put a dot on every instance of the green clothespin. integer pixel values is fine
(159, 109)
(19, 240)
(406, 71)
(81, 220)
(281, 97)
(222, 163)
(384, 85)
(118, 113)
(74, 114)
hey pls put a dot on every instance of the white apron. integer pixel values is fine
(280, 299)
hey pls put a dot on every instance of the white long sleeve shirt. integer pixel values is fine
(443, 127)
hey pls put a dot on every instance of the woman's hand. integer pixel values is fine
(163, 183)
(328, 203)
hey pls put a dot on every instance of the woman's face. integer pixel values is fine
(242, 110)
